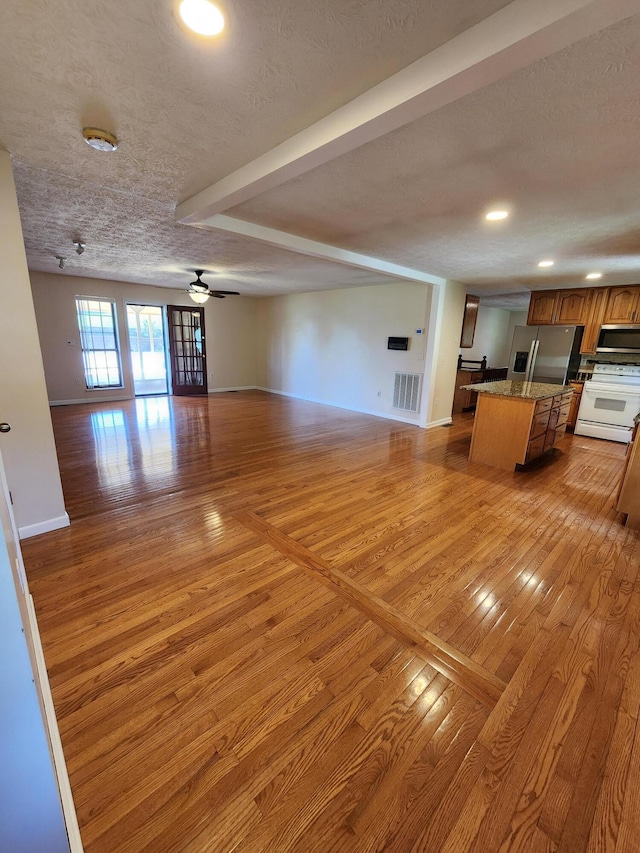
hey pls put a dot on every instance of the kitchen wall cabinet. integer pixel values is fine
(469, 321)
(572, 307)
(559, 307)
(623, 305)
(542, 308)
(595, 319)
(591, 307)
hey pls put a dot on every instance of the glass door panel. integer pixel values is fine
(187, 350)
(148, 349)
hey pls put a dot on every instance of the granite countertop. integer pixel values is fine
(523, 390)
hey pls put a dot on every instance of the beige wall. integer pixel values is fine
(230, 326)
(445, 325)
(331, 346)
(28, 451)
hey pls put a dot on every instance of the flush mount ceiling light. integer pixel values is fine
(547, 263)
(496, 215)
(593, 276)
(99, 140)
(202, 17)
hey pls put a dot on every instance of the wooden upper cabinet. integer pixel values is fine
(469, 321)
(595, 319)
(572, 307)
(559, 307)
(623, 305)
(542, 308)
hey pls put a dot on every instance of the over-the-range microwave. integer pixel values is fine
(619, 339)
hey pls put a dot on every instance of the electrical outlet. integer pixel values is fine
(211, 375)
(78, 381)
(379, 393)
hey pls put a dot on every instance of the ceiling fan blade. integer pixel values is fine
(217, 295)
(225, 293)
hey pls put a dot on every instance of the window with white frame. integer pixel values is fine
(99, 340)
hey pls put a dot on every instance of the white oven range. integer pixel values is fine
(610, 401)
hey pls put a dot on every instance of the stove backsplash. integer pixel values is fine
(610, 358)
(587, 362)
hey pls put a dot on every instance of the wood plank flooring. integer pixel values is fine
(277, 626)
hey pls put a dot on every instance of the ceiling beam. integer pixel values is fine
(523, 32)
(313, 249)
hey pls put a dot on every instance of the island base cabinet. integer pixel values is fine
(502, 430)
(510, 431)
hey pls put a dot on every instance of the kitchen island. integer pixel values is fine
(516, 422)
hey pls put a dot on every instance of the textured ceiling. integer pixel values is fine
(558, 140)
(130, 238)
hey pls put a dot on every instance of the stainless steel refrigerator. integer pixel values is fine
(545, 353)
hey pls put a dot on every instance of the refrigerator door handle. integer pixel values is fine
(531, 361)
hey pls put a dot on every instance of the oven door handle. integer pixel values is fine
(616, 395)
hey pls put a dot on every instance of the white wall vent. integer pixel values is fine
(406, 392)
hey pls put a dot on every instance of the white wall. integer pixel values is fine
(29, 450)
(491, 337)
(516, 318)
(331, 346)
(230, 327)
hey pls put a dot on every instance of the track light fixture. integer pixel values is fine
(80, 247)
(60, 261)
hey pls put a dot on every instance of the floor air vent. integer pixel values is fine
(406, 392)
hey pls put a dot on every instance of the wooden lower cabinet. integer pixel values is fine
(629, 495)
(463, 399)
(510, 431)
(572, 417)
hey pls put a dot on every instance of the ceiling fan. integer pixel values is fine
(199, 291)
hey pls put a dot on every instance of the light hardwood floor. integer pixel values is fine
(277, 626)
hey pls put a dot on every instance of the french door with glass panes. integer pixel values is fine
(187, 350)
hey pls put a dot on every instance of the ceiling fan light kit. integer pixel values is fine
(199, 290)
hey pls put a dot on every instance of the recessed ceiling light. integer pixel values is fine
(99, 140)
(547, 263)
(593, 276)
(202, 17)
(497, 215)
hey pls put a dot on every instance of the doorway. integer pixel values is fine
(147, 343)
(187, 350)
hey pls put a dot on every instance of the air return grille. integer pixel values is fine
(406, 392)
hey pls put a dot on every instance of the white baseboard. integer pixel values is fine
(385, 415)
(441, 422)
(44, 526)
(88, 400)
(234, 388)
